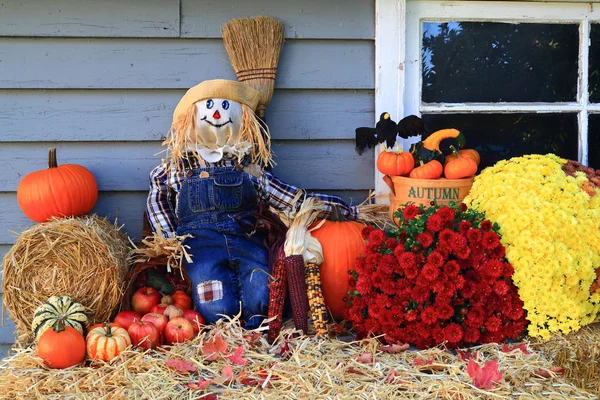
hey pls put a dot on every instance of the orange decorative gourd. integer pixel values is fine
(61, 346)
(107, 342)
(432, 170)
(59, 191)
(471, 153)
(460, 167)
(342, 243)
(395, 163)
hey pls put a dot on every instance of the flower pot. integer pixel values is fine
(424, 191)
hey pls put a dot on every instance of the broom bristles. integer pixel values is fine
(253, 45)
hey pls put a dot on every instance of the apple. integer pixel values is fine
(144, 299)
(158, 320)
(179, 330)
(125, 318)
(159, 308)
(182, 300)
(144, 334)
(196, 319)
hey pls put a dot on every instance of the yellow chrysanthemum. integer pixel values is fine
(550, 228)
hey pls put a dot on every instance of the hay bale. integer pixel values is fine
(83, 257)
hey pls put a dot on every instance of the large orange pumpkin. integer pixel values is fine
(395, 164)
(59, 191)
(61, 346)
(342, 243)
(105, 343)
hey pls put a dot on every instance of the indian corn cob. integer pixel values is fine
(316, 301)
(294, 266)
(277, 291)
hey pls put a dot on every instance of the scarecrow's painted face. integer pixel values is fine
(218, 125)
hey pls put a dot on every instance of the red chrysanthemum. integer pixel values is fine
(493, 268)
(377, 236)
(474, 235)
(425, 239)
(463, 207)
(420, 294)
(364, 285)
(410, 212)
(464, 227)
(499, 252)
(411, 272)
(391, 243)
(490, 240)
(446, 213)
(486, 225)
(434, 224)
(451, 268)
(430, 272)
(444, 311)
(446, 235)
(429, 316)
(471, 335)
(366, 231)
(435, 258)
(501, 288)
(453, 333)
(408, 259)
(493, 323)
(458, 241)
(462, 252)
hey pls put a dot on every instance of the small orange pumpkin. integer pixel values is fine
(471, 153)
(432, 170)
(107, 342)
(59, 191)
(61, 346)
(342, 244)
(461, 167)
(395, 163)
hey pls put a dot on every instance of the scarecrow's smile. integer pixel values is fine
(216, 125)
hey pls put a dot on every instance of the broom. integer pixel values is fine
(254, 45)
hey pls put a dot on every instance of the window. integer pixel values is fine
(514, 77)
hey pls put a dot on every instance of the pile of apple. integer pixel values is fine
(155, 320)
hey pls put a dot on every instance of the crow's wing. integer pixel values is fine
(365, 137)
(410, 126)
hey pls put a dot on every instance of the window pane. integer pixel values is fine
(499, 62)
(594, 141)
(502, 136)
(594, 71)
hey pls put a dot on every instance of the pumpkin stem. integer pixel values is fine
(336, 215)
(52, 158)
(421, 162)
(400, 151)
(59, 325)
(108, 330)
(454, 151)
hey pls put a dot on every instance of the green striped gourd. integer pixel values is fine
(46, 315)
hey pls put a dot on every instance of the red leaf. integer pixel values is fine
(544, 373)
(244, 379)
(394, 378)
(201, 385)
(253, 338)
(466, 355)
(337, 329)
(484, 378)
(181, 366)
(419, 362)
(394, 348)
(213, 347)
(366, 358)
(353, 370)
(521, 346)
(236, 358)
(285, 350)
(226, 376)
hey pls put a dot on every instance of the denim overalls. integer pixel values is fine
(228, 266)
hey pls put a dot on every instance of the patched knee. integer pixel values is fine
(210, 291)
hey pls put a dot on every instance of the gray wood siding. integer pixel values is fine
(99, 80)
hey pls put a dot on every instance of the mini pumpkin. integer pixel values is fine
(395, 163)
(106, 342)
(58, 307)
(61, 346)
(471, 153)
(59, 191)
(461, 167)
(431, 170)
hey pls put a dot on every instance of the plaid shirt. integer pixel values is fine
(166, 182)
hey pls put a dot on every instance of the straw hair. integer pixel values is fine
(84, 258)
(313, 369)
(254, 45)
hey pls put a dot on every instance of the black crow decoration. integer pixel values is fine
(386, 131)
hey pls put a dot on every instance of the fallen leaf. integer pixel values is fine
(244, 379)
(213, 347)
(466, 355)
(236, 358)
(484, 378)
(394, 348)
(285, 350)
(337, 329)
(353, 370)
(226, 376)
(253, 338)
(181, 366)
(366, 358)
(521, 346)
(201, 385)
(394, 378)
(419, 362)
(544, 373)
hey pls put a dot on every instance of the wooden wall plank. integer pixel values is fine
(340, 19)
(106, 18)
(8, 331)
(53, 63)
(139, 115)
(124, 166)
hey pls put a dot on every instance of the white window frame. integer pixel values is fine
(398, 58)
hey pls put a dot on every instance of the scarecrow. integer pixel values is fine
(209, 187)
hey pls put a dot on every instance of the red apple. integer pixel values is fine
(144, 299)
(179, 330)
(144, 334)
(158, 320)
(182, 300)
(159, 308)
(125, 318)
(196, 319)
